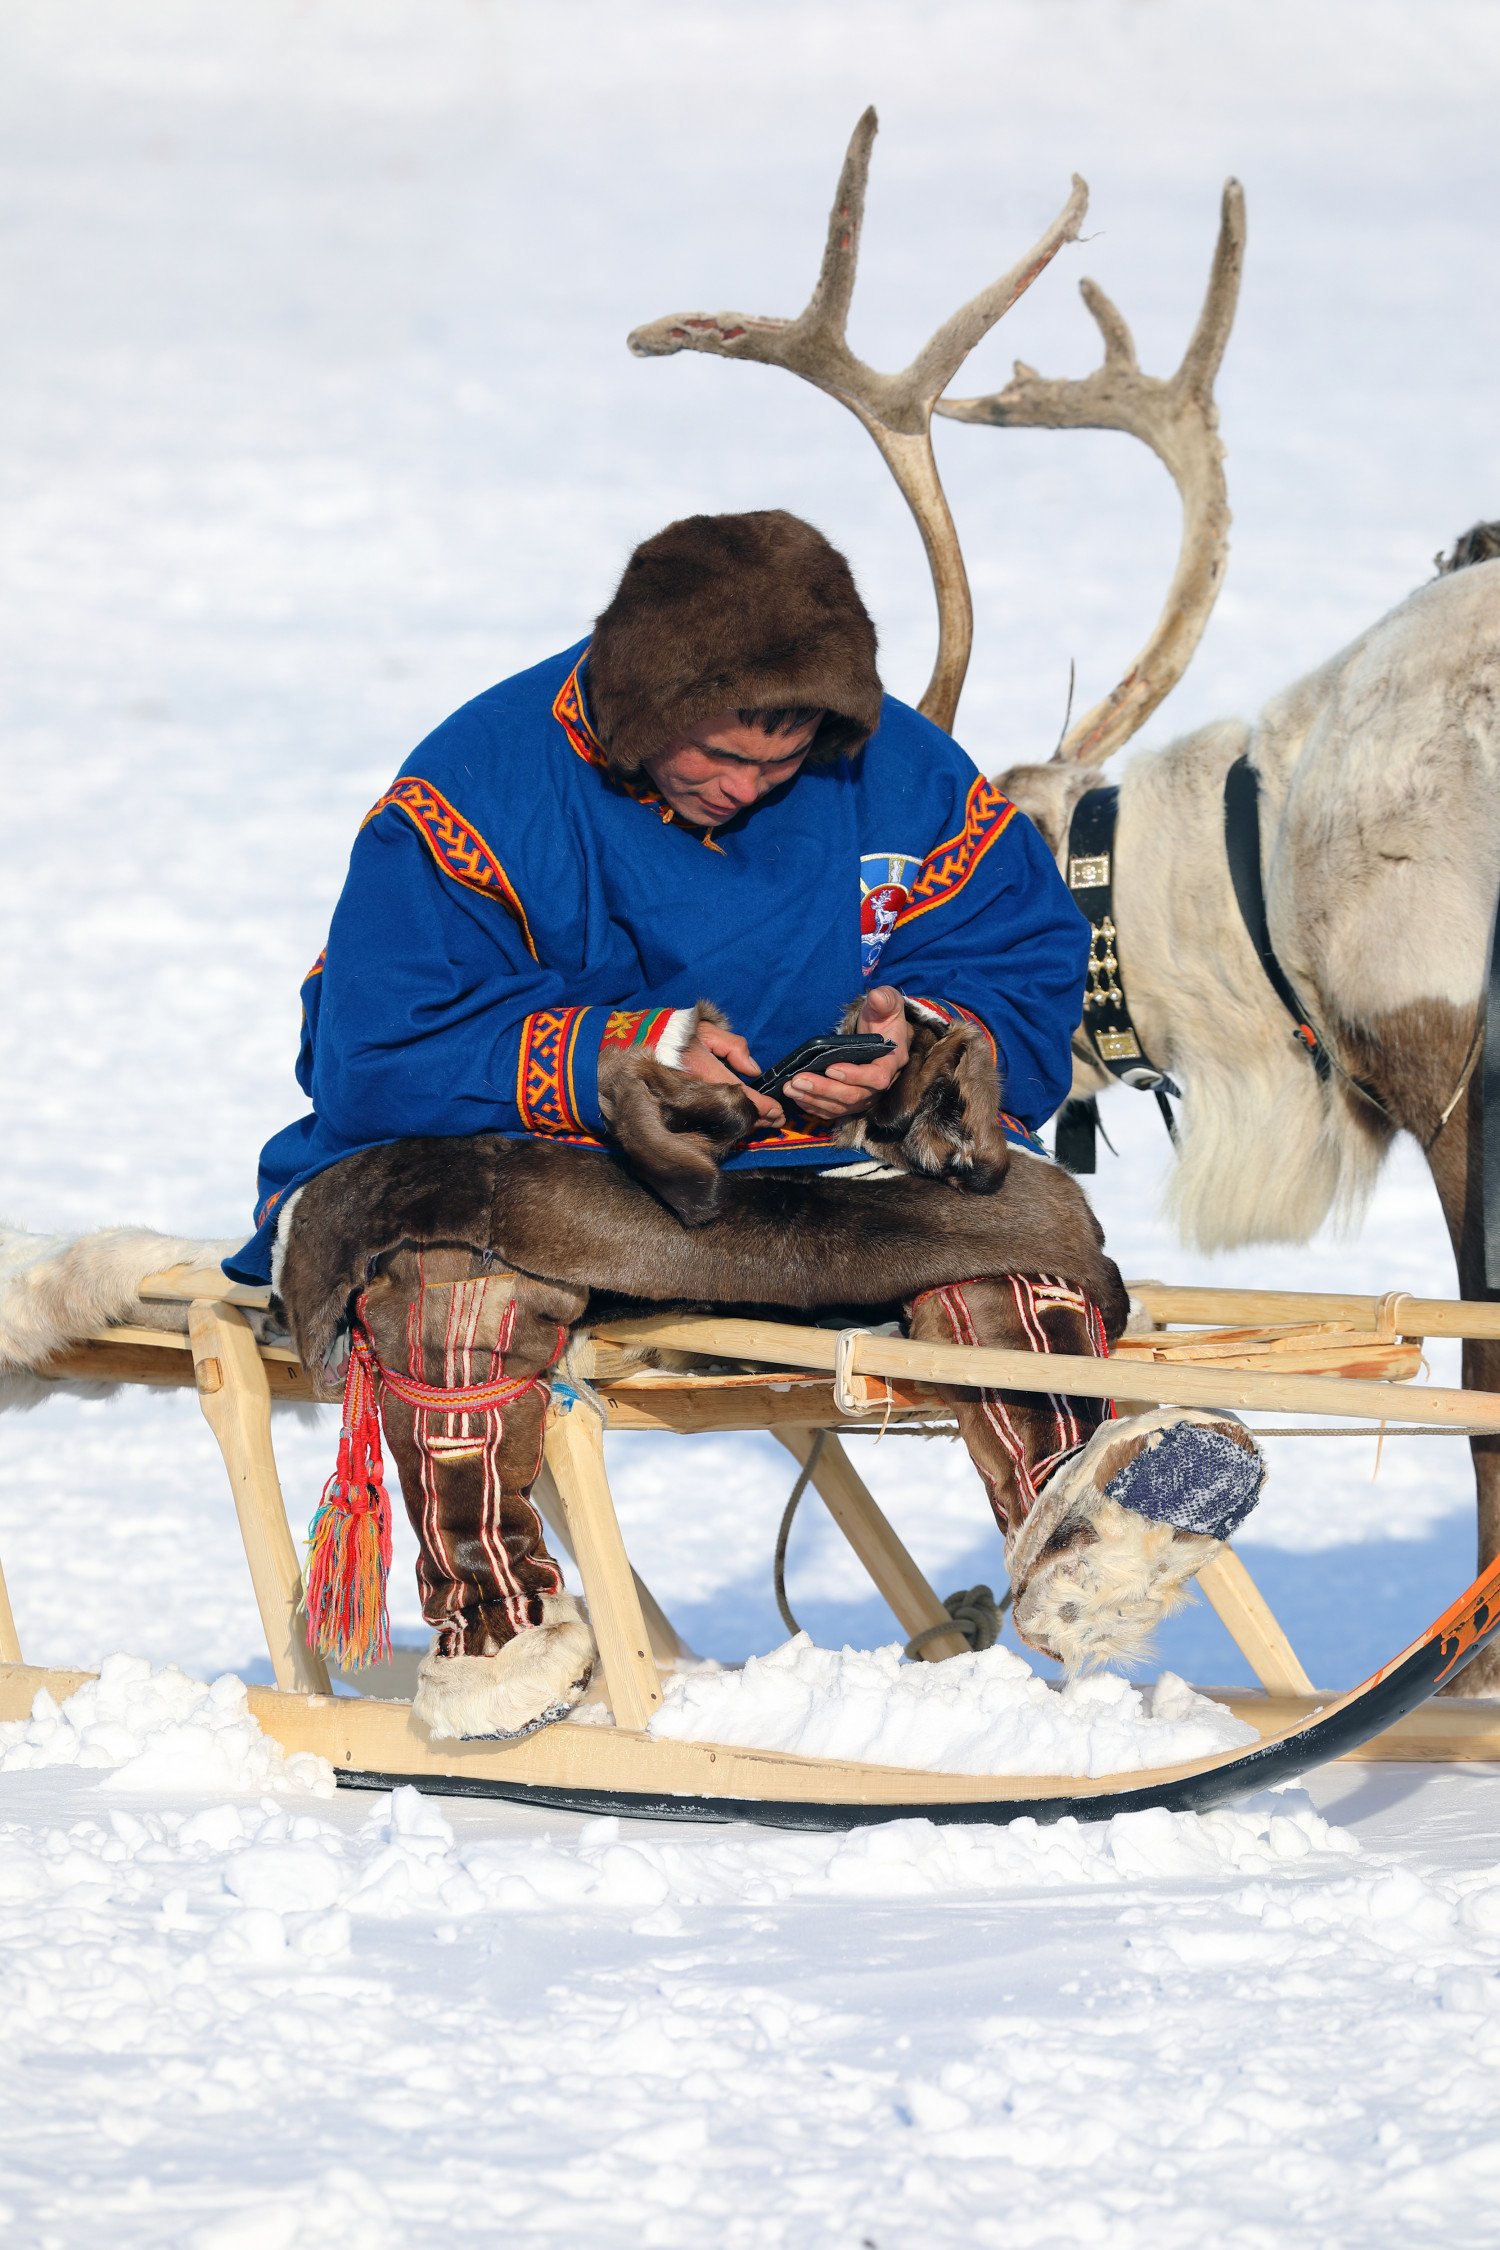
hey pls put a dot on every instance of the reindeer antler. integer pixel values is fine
(1177, 418)
(895, 409)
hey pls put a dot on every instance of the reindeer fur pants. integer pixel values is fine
(453, 1318)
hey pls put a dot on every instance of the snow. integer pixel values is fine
(318, 419)
(984, 1713)
(158, 1730)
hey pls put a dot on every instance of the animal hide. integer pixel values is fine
(674, 1129)
(939, 1117)
(779, 1238)
(57, 1288)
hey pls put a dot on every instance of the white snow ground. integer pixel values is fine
(317, 418)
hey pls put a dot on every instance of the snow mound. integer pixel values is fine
(161, 1731)
(619, 1865)
(984, 1713)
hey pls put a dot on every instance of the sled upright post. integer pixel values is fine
(574, 1452)
(235, 1396)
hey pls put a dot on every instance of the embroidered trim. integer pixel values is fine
(635, 1027)
(787, 1136)
(949, 865)
(571, 716)
(953, 1011)
(545, 1095)
(317, 968)
(455, 844)
(568, 710)
(265, 1209)
(1024, 1134)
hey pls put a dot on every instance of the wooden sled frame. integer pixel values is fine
(1339, 1355)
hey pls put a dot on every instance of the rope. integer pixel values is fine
(778, 1566)
(1255, 1430)
(972, 1611)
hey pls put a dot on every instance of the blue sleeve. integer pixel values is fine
(991, 932)
(432, 1014)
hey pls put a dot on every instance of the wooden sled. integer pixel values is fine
(1345, 1356)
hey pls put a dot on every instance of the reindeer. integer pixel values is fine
(1374, 779)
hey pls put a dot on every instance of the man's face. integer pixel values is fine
(722, 767)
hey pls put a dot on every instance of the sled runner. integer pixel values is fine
(1345, 1356)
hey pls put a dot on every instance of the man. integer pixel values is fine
(594, 903)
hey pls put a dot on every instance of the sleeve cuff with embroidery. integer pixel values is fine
(557, 1076)
(949, 1011)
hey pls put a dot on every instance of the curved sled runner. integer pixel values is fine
(1344, 1356)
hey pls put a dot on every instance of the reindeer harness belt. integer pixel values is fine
(1107, 1020)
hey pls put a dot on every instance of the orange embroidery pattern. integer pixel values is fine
(568, 710)
(787, 1136)
(457, 846)
(945, 870)
(544, 1074)
(317, 968)
(265, 1209)
(574, 720)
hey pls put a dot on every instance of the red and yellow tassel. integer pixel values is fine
(349, 1538)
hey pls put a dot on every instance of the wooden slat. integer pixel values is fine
(236, 1401)
(574, 1452)
(972, 1366)
(1444, 1731)
(374, 1736)
(1417, 1316)
(101, 1361)
(191, 1285)
(1252, 1625)
(693, 1404)
(1367, 1362)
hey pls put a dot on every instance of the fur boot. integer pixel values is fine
(1121, 1529)
(535, 1678)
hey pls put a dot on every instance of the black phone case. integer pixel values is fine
(817, 1054)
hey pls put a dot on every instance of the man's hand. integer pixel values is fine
(715, 1053)
(849, 1088)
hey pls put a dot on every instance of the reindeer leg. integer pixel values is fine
(1456, 1161)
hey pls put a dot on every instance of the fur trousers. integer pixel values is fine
(451, 1318)
(472, 1260)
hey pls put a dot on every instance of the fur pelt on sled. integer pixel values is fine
(55, 1289)
(778, 1238)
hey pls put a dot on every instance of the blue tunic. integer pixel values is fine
(511, 908)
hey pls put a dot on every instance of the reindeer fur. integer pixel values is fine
(576, 1216)
(938, 1118)
(56, 1289)
(1381, 847)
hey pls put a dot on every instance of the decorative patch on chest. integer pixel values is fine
(884, 889)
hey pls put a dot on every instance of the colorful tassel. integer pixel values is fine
(349, 1538)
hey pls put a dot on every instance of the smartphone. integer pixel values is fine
(816, 1054)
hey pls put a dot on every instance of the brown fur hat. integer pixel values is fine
(732, 613)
